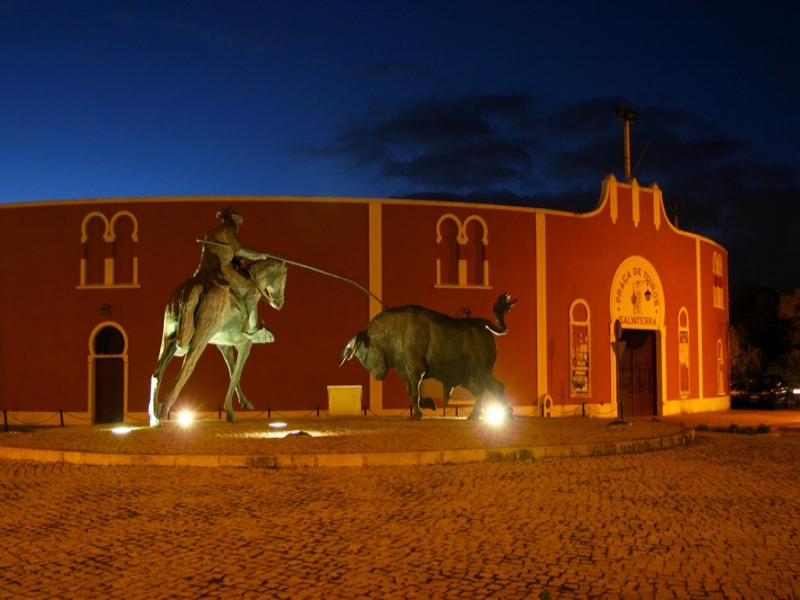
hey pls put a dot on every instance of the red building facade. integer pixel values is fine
(84, 297)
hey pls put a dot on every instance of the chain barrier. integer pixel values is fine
(318, 411)
(6, 417)
(583, 411)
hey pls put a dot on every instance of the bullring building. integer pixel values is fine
(86, 283)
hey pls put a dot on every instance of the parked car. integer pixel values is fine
(766, 391)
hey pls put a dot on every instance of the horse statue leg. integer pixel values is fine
(168, 348)
(189, 363)
(167, 351)
(230, 361)
(206, 325)
(242, 352)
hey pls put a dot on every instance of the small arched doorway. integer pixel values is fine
(108, 373)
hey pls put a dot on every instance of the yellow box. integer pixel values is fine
(344, 399)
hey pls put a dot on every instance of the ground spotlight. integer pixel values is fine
(495, 414)
(185, 417)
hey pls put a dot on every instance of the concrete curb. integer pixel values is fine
(373, 459)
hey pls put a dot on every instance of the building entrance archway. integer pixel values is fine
(108, 374)
(637, 309)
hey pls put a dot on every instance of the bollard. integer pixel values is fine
(219, 414)
(5, 420)
(269, 412)
(61, 415)
(364, 408)
(317, 409)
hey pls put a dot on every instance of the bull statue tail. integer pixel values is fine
(502, 305)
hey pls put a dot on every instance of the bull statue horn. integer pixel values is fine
(349, 350)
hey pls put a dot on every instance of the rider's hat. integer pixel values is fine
(230, 214)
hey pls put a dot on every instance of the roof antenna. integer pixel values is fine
(627, 116)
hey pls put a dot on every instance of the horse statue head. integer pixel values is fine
(269, 275)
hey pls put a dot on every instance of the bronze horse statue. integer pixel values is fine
(207, 310)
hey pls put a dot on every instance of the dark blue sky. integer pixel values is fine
(509, 102)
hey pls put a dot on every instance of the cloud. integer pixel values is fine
(458, 144)
(515, 149)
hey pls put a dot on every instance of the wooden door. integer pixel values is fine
(637, 374)
(109, 393)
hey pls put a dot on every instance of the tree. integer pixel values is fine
(746, 360)
(762, 332)
(789, 312)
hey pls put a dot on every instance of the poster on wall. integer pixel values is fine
(683, 360)
(579, 381)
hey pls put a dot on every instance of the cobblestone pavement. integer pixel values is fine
(719, 518)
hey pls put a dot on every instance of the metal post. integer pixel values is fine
(627, 116)
(618, 345)
(61, 415)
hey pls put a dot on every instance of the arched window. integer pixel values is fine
(719, 289)
(721, 374)
(579, 350)
(109, 340)
(93, 263)
(109, 250)
(447, 229)
(462, 258)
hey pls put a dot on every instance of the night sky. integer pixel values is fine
(501, 102)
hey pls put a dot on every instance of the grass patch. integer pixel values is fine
(734, 429)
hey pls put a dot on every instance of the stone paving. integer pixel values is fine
(716, 518)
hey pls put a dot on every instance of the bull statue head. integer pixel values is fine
(370, 355)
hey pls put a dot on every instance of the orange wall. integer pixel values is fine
(409, 277)
(292, 373)
(47, 321)
(583, 254)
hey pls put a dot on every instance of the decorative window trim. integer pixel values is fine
(463, 240)
(110, 239)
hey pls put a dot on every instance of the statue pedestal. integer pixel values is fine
(344, 399)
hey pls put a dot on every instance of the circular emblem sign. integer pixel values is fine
(637, 299)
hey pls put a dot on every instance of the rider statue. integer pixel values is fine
(219, 264)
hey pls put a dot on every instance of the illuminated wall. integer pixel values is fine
(85, 272)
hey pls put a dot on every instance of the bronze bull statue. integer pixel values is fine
(420, 343)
